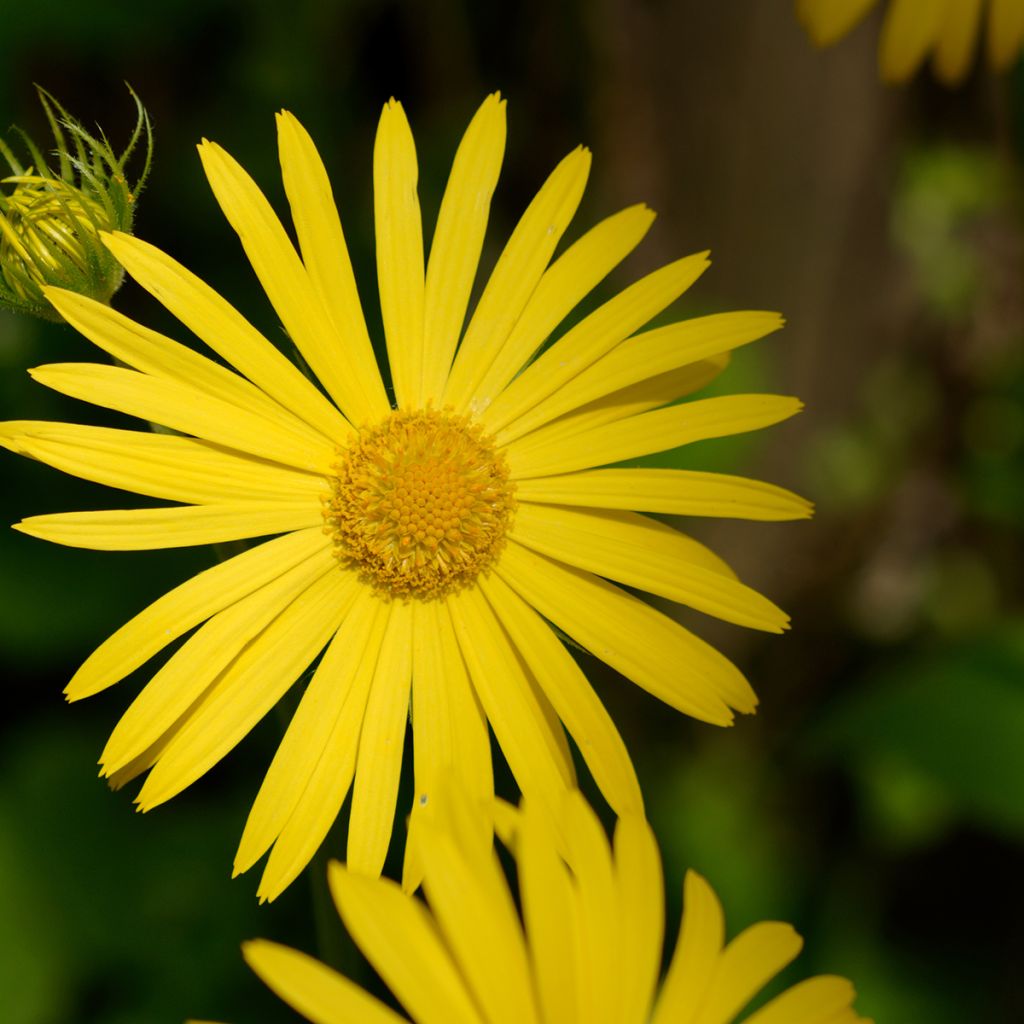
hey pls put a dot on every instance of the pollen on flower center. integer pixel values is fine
(420, 503)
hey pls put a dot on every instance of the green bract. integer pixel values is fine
(51, 219)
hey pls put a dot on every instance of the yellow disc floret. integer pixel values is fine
(419, 503)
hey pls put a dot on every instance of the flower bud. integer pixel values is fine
(51, 218)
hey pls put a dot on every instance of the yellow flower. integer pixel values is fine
(948, 29)
(429, 547)
(589, 949)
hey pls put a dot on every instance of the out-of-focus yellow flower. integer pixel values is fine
(587, 950)
(50, 220)
(947, 29)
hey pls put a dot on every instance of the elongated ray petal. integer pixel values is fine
(283, 277)
(193, 602)
(592, 338)
(571, 695)
(655, 431)
(631, 636)
(565, 283)
(644, 356)
(1005, 33)
(326, 260)
(380, 748)
(216, 322)
(958, 38)
(182, 407)
(251, 686)
(331, 780)
(827, 21)
(644, 553)
(910, 29)
(399, 233)
(516, 274)
(184, 526)
(400, 939)
(333, 685)
(820, 1000)
(318, 993)
(681, 492)
(458, 239)
(160, 465)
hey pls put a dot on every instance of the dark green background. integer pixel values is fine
(875, 801)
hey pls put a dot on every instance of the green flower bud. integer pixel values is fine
(51, 219)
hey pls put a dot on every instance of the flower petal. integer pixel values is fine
(458, 239)
(182, 407)
(326, 259)
(909, 31)
(213, 319)
(570, 694)
(193, 602)
(318, 993)
(594, 336)
(379, 762)
(819, 1000)
(631, 636)
(399, 233)
(516, 274)
(644, 553)
(284, 279)
(564, 284)
(680, 492)
(651, 432)
(1005, 33)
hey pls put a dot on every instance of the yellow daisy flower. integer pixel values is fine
(429, 544)
(948, 29)
(588, 950)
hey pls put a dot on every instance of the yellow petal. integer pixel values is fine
(652, 432)
(643, 356)
(379, 761)
(631, 636)
(164, 466)
(911, 28)
(397, 935)
(516, 274)
(449, 726)
(251, 686)
(644, 553)
(185, 676)
(597, 914)
(284, 279)
(525, 734)
(827, 21)
(318, 993)
(193, 602)
(680, 492)
(638, 879)
(819, 1000)
(333, 685)
(326, 259)
(564, 284)
(329, 784)
(746, 965)
(182, 407)
(958, 37)
(142, 349)
(474, 909)
(1005, 33)
(148, 528)
(399, 231)
(620, 405)
(690, 972)
(458, 239)
(570, 694)
(593, 337)
(210, 317)
(546, 892)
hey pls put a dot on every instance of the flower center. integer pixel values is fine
(420, 503)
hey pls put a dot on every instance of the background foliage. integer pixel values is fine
(875, 800)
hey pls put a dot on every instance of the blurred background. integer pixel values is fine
(875, 800)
